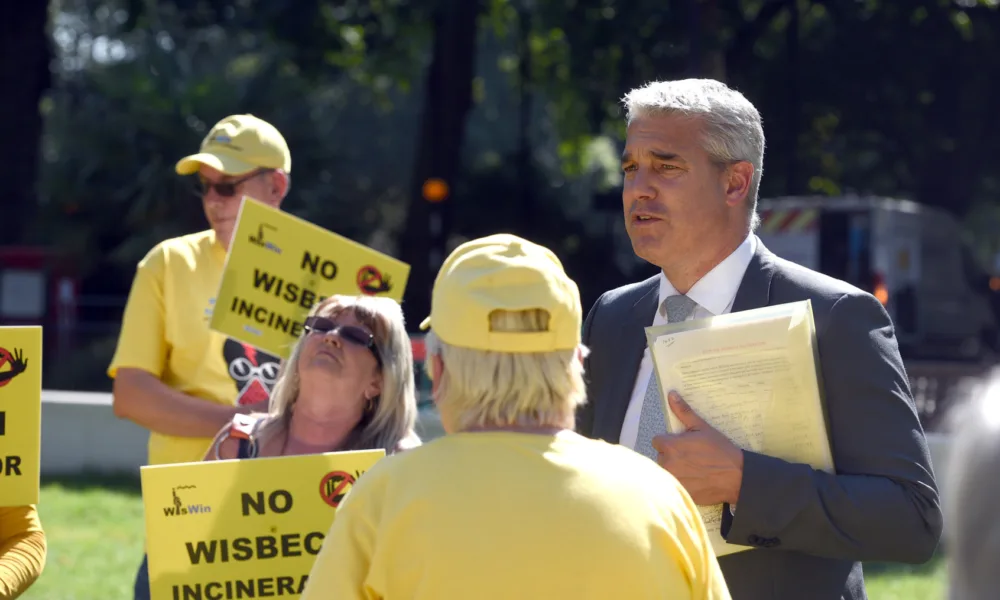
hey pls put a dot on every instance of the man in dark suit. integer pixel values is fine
(692, 168)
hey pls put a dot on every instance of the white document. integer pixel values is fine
(753, 376)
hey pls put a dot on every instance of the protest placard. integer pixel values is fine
(242, 528)
(20, 414)
(279, 266)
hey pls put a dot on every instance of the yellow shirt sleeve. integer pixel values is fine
(707, 581)
(141, 343)
(22, 549)
(343, 564)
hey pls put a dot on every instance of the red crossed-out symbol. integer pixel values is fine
(16, 362)
(4, 358)
(371, 281)
(335, 486)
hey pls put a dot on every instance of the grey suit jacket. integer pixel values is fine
(811, 529)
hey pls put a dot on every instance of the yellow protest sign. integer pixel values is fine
(242, 528)
(20, 414)
(279, 265)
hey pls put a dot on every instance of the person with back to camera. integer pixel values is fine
(347, 385)
(511, 503)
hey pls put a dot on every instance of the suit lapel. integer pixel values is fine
(608, 424)
(754, 292)
(755, 289)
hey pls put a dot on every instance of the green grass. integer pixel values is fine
(907, 582)
(95, 533)
(94, 527)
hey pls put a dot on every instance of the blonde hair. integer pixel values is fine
(390, 425)
(486, 388)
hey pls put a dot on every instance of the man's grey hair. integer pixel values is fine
(733, 129)
(969, 497)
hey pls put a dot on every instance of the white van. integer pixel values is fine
(912, 257)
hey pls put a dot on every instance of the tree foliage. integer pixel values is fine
(515, 102)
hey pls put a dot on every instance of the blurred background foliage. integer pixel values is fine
(516, 103)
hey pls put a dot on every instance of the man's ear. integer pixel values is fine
(738, 178)
(279, 185)
(437, 370)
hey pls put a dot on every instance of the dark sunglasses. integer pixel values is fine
(352, 334)
(226, 189)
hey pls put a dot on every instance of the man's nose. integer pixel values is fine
(639, 186)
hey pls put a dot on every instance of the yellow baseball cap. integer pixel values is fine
(504, 272)
(239, 144)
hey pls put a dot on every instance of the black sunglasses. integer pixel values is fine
(226, 189)
(351, 333)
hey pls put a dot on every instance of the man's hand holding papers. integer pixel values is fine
(707, 464)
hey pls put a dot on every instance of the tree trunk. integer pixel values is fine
(24, 72)
(524, 146)
(954, 191)
(447, 102)
(696, 56)
(714, 55)
(793, 103)
(739, 55)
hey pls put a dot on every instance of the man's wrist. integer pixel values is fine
(737, 481)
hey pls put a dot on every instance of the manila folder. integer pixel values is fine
(753, 376)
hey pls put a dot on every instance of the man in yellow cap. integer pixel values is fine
(511, 503)
(172, 374)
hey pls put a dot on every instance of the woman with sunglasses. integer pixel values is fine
(347, 385)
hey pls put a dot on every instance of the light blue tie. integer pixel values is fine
(651, 420)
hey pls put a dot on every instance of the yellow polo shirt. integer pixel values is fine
(165, 332)
(500, 515)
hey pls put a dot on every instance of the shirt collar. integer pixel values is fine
(716, 291)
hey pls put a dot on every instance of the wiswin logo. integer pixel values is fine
(260, 241)
(179, 509)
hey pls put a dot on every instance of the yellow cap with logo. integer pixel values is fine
(239, 144)
(504, 272)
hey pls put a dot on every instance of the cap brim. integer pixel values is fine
(190, 165)
(425, 324)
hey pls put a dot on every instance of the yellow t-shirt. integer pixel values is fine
(165, 332)
(514, 515)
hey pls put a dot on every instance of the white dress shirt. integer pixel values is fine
(714, 293)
